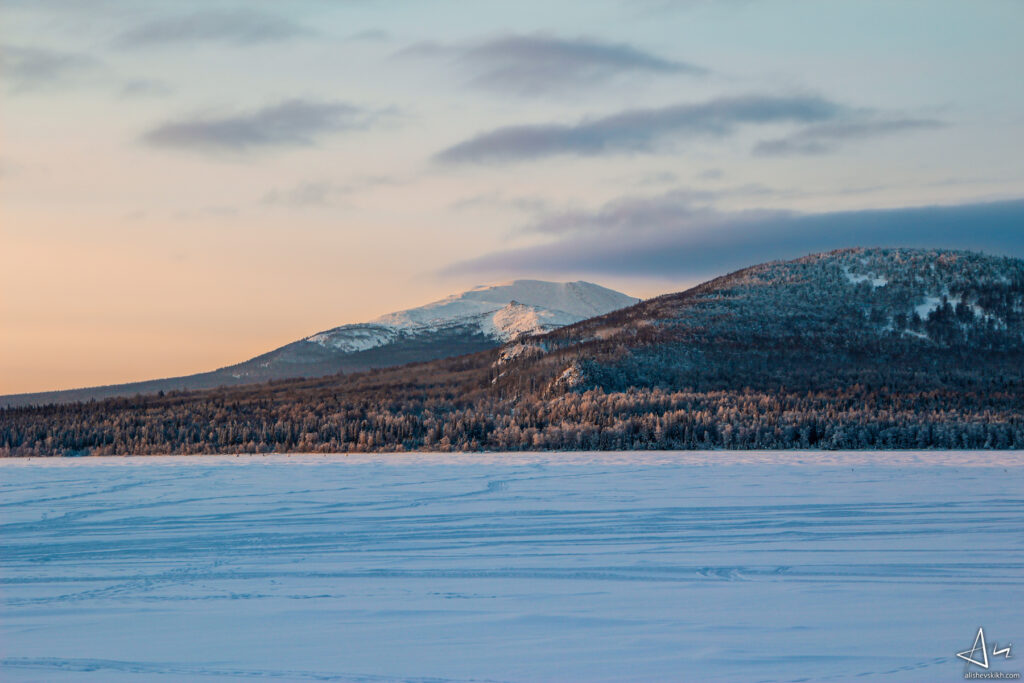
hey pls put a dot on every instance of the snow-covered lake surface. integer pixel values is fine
(556, 567)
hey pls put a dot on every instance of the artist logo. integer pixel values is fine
(978, 655)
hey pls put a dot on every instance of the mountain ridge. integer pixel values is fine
(827, 351)
(477, 319)
(946, 301)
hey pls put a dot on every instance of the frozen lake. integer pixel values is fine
(626, 566)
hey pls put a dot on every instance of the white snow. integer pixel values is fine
(580, 299)
(513, 351)
(875, 280)
(502, 312)
(932, 303)
(352, 338)
(515, 320)
(572, 376)
(664, 566)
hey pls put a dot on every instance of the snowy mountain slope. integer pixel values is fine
(499, 312)
(479, 319)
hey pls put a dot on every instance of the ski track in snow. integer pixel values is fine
(660, 566)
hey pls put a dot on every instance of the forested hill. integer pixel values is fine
(877, 348)
(905, 317)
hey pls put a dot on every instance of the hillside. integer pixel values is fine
(921, 317)
(481, 318)
(859, 348)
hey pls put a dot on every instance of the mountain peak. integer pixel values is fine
(495, 313)
(577, 300)
(471, 321)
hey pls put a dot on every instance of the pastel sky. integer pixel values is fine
(186, 184)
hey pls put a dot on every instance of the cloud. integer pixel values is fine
(145, 87)
(371, 35)
(653, 7)
(237, 27)
(825, 137)
(541, 64)
(27, 68)
(322, 193)
(304, 194)
(658, 178)
(631, 215)
(532, 205)
(639, 130)
(290, 123)
(669, 237)
(537, 64)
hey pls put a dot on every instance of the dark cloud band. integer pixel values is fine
(541, 64)
(26, 68)
(290, 123)
(823, 138)
(823, 125)
(638, 130)
(240, 27)
(704, 243)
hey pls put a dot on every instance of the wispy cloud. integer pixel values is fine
(145, 87)
(657, 178)
(541, 64)
(823, 138)
(669, 236)
(711, 174)
(305, 194)
(666, 212)
(237, 27)
(525, 204)
(290, 123)
(28, 68)
(370, 35)
(822, 126)
(323, 193)
(639, 130)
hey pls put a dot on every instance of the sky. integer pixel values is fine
(185, 185)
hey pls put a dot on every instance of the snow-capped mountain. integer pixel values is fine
(499, 312)
(481, 318)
